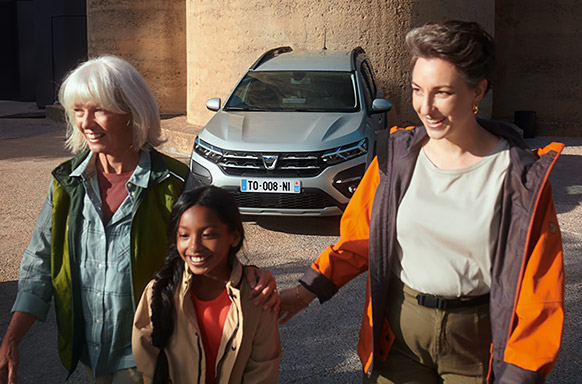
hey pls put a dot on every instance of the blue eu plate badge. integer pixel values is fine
(297, 186)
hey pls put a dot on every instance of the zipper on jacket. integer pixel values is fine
(389, 175)
(229, 341)
(138, 200)
(200, 352)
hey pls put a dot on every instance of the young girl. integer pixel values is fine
(195, 322)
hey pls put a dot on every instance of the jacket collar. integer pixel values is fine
(233, 284)
(416, 137)
(139, 178)
(159, 167)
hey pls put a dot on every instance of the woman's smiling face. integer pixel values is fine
(442, 99)
(105, 132)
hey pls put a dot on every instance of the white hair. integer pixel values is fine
(115, 85)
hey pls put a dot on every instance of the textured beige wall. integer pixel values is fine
(224, 37)
(538, 46)
(539, 63)
(151, 35)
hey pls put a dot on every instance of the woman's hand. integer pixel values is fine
(294, 300)
(263, 288)
(9, 359)
(9, 356)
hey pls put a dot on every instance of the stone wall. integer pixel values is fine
(539, 58)
(151, 35)
(192, 50)
(226, 36)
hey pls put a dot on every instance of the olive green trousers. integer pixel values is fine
(448, 346)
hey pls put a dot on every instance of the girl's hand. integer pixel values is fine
(294, 300)
(263, 287)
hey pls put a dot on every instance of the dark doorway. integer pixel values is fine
(41, 41)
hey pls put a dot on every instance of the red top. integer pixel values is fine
(113, 192)
(211, 317)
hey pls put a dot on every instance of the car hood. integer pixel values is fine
(297, 131)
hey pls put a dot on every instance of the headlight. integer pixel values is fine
(345, 152)
(207, 151)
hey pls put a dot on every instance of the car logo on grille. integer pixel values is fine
(270, 161)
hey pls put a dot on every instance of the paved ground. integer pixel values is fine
(319, 344)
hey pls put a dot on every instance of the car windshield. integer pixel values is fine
(303, 91)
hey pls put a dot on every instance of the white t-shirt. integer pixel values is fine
(448, 223)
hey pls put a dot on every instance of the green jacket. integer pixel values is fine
(148, 241)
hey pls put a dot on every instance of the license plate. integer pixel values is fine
(270, 185)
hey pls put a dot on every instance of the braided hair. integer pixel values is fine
(169, 277)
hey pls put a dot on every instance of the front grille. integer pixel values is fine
(281, 164)
(308, 199)
(295, 164)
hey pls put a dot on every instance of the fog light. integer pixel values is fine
(202, 174)
(347, 181)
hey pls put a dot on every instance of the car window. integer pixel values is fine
(367, 92)
(367, 84)
(312, 91)
(368, 74)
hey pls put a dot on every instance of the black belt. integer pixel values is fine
(432, 301)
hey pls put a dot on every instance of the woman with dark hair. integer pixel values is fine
(455, 225)
(100, 236)
(195, 322)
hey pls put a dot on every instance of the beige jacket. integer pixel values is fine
(250, 350)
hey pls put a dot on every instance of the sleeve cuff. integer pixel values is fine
(26, 302)
(318, 284)
(506, 373)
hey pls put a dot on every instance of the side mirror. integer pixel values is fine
(381, 105)
(214, 104)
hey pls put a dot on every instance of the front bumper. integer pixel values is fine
(318, 196)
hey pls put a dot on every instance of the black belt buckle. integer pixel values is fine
(431, 301)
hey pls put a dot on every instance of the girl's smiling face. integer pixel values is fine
(442, 99)
(204, 241)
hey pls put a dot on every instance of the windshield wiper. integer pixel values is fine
(242, 109)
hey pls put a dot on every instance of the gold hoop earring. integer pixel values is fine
(475, 109)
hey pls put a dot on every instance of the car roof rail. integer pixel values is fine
(271, 53)
(355, 53)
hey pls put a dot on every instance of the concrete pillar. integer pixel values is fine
(224, 37)
(151, 35)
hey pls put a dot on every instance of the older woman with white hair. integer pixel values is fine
(101, 234)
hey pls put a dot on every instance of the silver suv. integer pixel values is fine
(296, 134)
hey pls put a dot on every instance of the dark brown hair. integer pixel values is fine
(465, 44)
